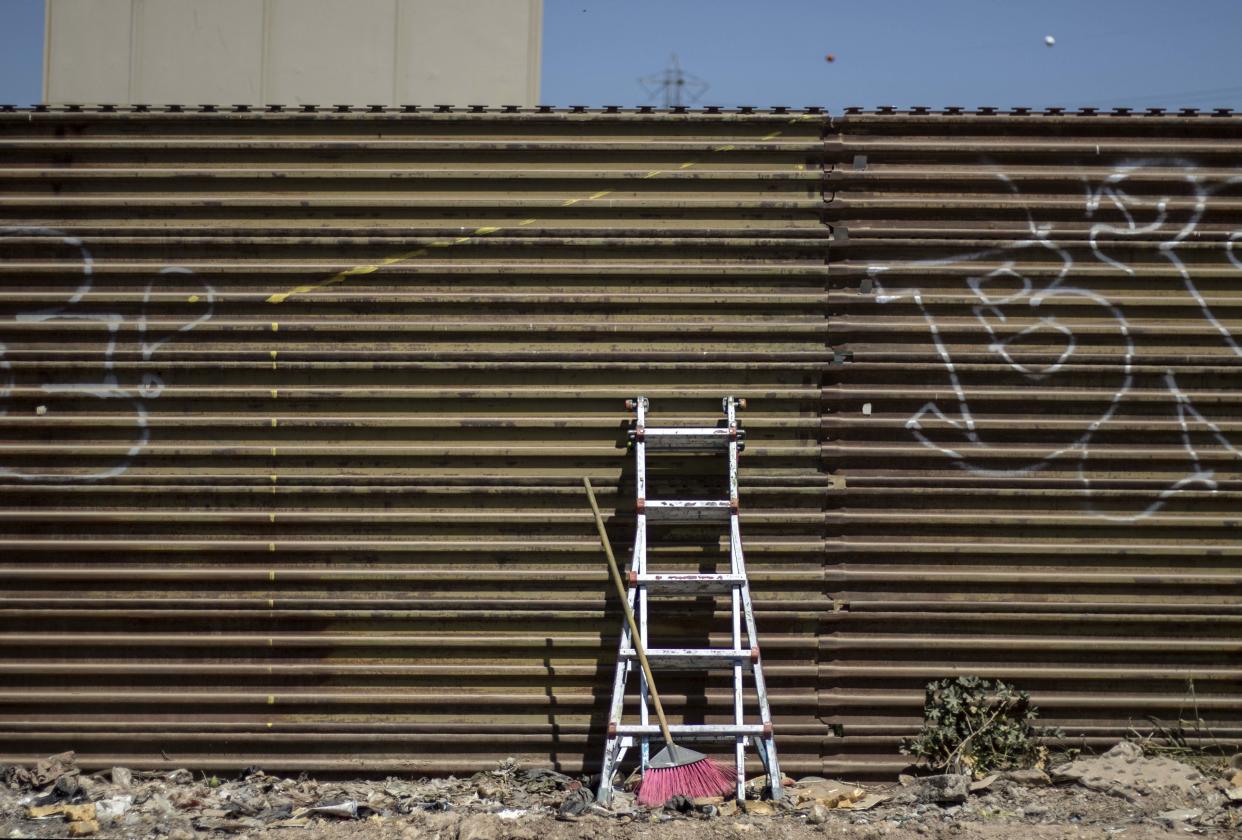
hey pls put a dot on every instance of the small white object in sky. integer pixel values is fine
(1049, 40)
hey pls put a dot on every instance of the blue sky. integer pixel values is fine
(1139, 53)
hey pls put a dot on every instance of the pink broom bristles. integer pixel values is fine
(699, 778)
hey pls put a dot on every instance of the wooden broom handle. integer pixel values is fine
(635, 636)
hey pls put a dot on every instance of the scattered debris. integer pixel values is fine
(1179, 815)
(82, 828)
(64, 789)
(45, 772)
(112, 808)
(345, 809)
(824, 792)
(868, 802)
(577, 801)
(515, 803)
(757, 808)
(180, 777)
(984, 783)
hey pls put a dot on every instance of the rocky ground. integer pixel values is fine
(1123, 794)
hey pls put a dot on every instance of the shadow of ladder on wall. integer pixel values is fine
(740, 658)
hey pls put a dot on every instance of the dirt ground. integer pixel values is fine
(1124, 794)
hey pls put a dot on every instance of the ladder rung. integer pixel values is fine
(703, 438)
(661, 584)
(696, 731)
(681, 511)
(695, 659)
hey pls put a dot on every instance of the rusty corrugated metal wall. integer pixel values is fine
(1036, 436)
(319, 392)
(297, 405)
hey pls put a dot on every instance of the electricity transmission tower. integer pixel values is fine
(674, 85)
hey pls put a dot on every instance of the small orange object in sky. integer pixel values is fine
(830, 58)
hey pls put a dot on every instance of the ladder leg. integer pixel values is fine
(739, 750)
(761, 748)
(738, 717)
(761, 689)
(771, 763)
(644, 714)
(612, 754)
(639, 565)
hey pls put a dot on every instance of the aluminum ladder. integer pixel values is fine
(645, 584)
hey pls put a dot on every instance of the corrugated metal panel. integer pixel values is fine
(1037, 439)
(298, 406)
(318, 389)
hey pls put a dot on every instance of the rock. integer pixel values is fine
(757, 808)
(1125, 751)
(181, 833)
(950, 787)
(818, 814)
(1029, 778)
(82, 828)
(703, 801)
(680, 804)
(1236, 780)
(728, 808)
(478, 827)
(1034, 811)
(180, 777)
(1125, 772)
(122, 777)
(1234, 794)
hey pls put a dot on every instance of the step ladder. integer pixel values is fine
(742, 657)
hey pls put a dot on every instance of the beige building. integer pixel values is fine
(293, 52)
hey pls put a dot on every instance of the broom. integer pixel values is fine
(675, 770)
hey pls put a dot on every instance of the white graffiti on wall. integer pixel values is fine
(126, 396)
(1012, 292)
